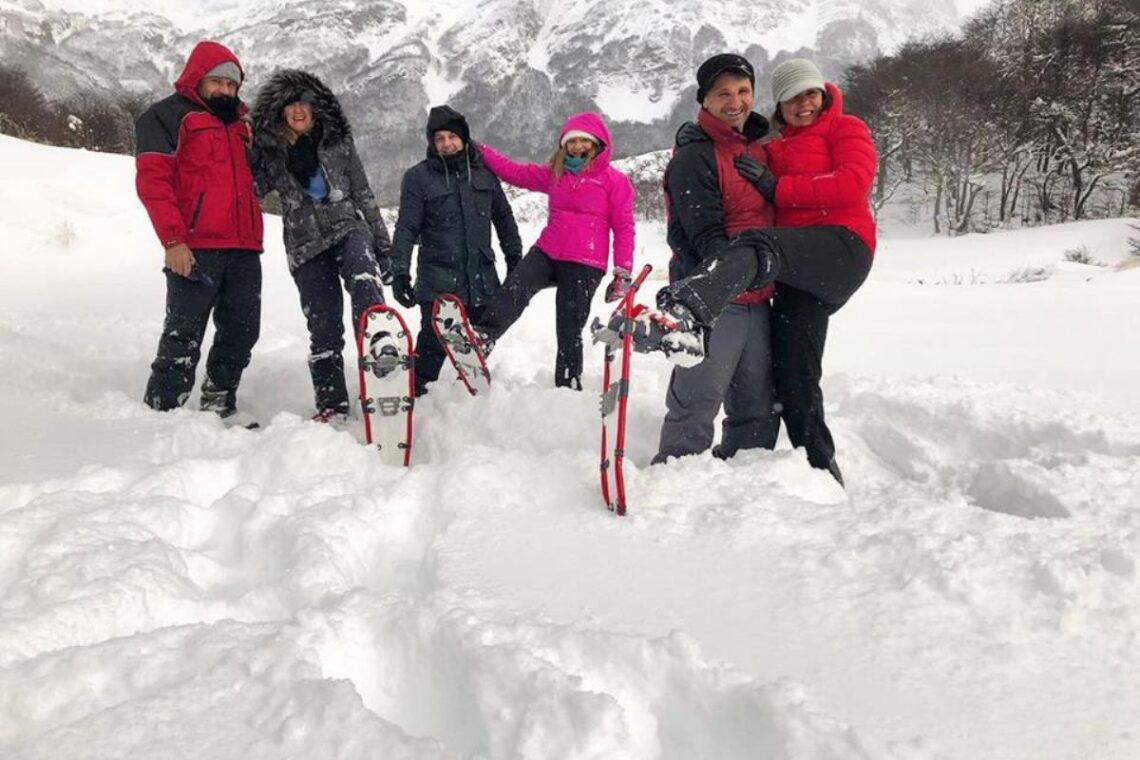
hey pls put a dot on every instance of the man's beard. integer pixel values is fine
(225, 107)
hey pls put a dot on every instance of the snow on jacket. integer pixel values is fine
(192, 171)
(708, 200)
(447, 206)
(584, 209)
(825, 172)
(314, 226)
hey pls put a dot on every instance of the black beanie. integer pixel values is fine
(717, 65)
(446, 117)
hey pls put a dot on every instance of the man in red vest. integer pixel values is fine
(193, 177)
(709, 202)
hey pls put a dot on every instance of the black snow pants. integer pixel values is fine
(228, 284)
(829, 263)
(318, 281)
(576, 284)
(799, 331)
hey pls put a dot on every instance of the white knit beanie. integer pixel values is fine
(572, 133)
(794, 76)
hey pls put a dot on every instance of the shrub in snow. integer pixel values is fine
(1029, 274)
(1082, 255)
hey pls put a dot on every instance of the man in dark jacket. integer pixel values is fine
(193, 177)
(708, 203)
(448, 203)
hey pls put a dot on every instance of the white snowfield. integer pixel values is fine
(170, 588)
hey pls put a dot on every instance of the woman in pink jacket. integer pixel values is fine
(589, 204)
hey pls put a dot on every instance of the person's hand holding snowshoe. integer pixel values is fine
(618, 286)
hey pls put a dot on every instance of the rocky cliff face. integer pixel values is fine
(517, 68)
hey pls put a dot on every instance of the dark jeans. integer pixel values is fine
(429, 351)
(318, 281)
(227, 283)
(576, 284)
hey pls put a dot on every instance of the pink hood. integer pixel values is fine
(591, 124)
(583, 210)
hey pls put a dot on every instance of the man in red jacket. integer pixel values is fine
(709, 202)
(193, 177)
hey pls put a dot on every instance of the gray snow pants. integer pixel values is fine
(737, 372)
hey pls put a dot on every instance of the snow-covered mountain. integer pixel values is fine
(516, 67)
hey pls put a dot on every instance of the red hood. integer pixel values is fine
(205, 56)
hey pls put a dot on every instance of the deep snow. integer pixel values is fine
(173, 588)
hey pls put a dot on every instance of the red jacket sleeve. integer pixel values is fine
(854, 161)
(155, 167)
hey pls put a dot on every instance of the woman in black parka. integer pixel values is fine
(303, 151)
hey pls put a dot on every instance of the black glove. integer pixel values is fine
(402, 290)
(512, 262)
(690, 132)
(758, 176)
(619, 286)
(384, 262)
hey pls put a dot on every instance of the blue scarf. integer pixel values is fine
(574, 164)
(318, 189)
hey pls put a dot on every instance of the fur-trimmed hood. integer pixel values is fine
(289, 86)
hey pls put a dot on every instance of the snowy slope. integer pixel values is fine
(170, 588)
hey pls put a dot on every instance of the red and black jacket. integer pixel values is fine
(707, 200)
(192, 170)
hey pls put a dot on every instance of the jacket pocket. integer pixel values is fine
(202, 144)
(217, 215)
(481, 189)
(196, 215)
(488, 276)
(257, 221)
(441, 205)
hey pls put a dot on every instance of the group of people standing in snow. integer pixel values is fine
(770, 234)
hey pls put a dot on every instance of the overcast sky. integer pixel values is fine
(967, 7)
